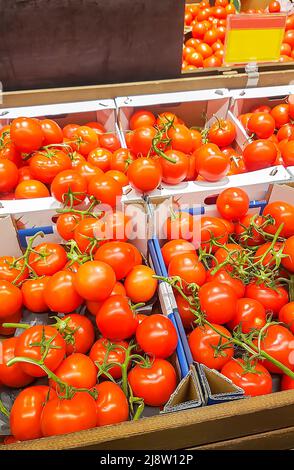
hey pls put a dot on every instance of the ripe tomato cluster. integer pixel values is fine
(34, 152)
(232, 275)
(208, 25)
(167, 150)
(273, 132)
(103, 360)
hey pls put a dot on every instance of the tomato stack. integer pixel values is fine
(33, 152)
(205, 48)
(232, 275)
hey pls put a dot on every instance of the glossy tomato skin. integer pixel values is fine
(26, 412)
(12, 376)
(86, 140)
(282, 212)
(34, 335)
(8, 176)
(63, 416)
(250, 314)
(45, 166)
(105, 189)
(66, 224)
(27, 134)
(255, 237)
(218, 301)
(259, 154)
(179, 225)
(174, 173)
(60, 294)
(77, 370)
(286, 315)
(121, 160)
(142, 118)
(188, 268)
(187, 317)
(140, 284)
(66, 183)
(272, 300)
(209, 228)
(202, 341)
(84, 335)
(111, 405)
(145, 174)
(94, 307)
(154, 384)
(211, 163)
(229, 250)
(255, 383)
(222, 133)
(47, 259)
(86, 233)
(288, 153)
(119, 255)
(109, 141)
(51, 131)
(142, 138)
(10, 299)
(262, 125)
(12, 270)
(287, 383)
(94, 280)
(30, 189)
(104, 351)
(278, 342)
(33, 294)
(181, 139)
(224, 277)
(116, 320)
(174, 248)
(101, 158)
(157, 336)
(232, 203)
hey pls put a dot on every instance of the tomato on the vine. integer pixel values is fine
(278, 342)
(233, 203)
(111, 405)
(116, 320)
(69, 187)
(188, 268)
(60, 294)
(218, 301)
(282, 213)
(104, 352)
(12, 376)
(222, 133)
(12, 269)
(254, 379)
(8, 176)
(174, 173)
(272, 299)
(105, 189)
(157, 336)
(76, 370)
(224, 277)
(51, 131)
(47, 258)
(66, 224)
(140, 284)
(250, 315)
(94, 280)
(26, 134)
(45, 165)
(78, 333)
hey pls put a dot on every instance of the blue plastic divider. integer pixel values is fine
(30, 232)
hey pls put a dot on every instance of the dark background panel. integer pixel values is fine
(55, 43)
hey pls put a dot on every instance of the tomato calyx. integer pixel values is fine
(220, 348)
(75, 255)
(89, 212)
(162, 140)
(62, 326)
(24, 259)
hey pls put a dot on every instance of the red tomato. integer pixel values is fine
(8, 176)
(109, 141)
(119, 176)
(105, 189)
(10, 299)
(288, 261)
(218, 301)
(287, 383)
(184, 308)
(224, 277)
(278, 342)
(142, 138)
(272, 300)
(47, 259)
(104, 352)
(196, 139)
(101, 158)
(203, 342)
(66, 225)
(76, 370)
(211, 163)
(199, 30)
(174, 173)
(181, 139)
(288, 153)
(222, 133)
(12, 376)
(69, 187)
(174, 248)
(51, 131)
(269, 259)
(121, 159)
(63, 416)
(259, 154)
(142, 118)
(179, 225)
(282, 213)
(69, 130)
(118, 226)
(88, 171)
(244, 224)
(78, 333)
(254, 379)
(85, 139)
(274, 7)
(188, 268)
(194, 58)
(211, 228)
(47, 164)
(26, 346)
(94, 280)
(33, 294)
(140, 284)
(229, 252)
(116, 320)
(97, 126)
(232, 203)
(12, 270)
(280, 113)
(60, 294)
(262, 125)
(119, 255)
(94, 307)
(286, 315)
(157, 336)
(26, 412)
(8, 151)
(154, 384)
(29, 189)
(26, 134)
(87, 233)
(289, 37)
(12, 319)
(250, 314)
(112, 405)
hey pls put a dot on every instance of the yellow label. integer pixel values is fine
(253, 45)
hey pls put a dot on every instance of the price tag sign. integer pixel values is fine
(254, 38)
